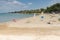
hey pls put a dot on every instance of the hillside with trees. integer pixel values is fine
(54, 8)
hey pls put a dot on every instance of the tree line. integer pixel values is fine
(54, 8)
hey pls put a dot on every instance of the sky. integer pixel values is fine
(17, 5)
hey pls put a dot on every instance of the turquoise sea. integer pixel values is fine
(4, 17)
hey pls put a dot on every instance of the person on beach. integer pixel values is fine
(34, 15)
(42, 16)
(14, 20)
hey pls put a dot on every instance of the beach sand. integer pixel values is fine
(30, 33)
(32, 28)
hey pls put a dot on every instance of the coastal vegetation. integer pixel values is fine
(53, 8)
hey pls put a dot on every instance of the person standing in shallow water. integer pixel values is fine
(34, 15)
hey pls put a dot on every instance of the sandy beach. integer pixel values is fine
(37, 21)
(33, 28)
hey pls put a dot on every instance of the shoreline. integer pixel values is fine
(35, 21)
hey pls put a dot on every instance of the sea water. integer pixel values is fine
(4, 17)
